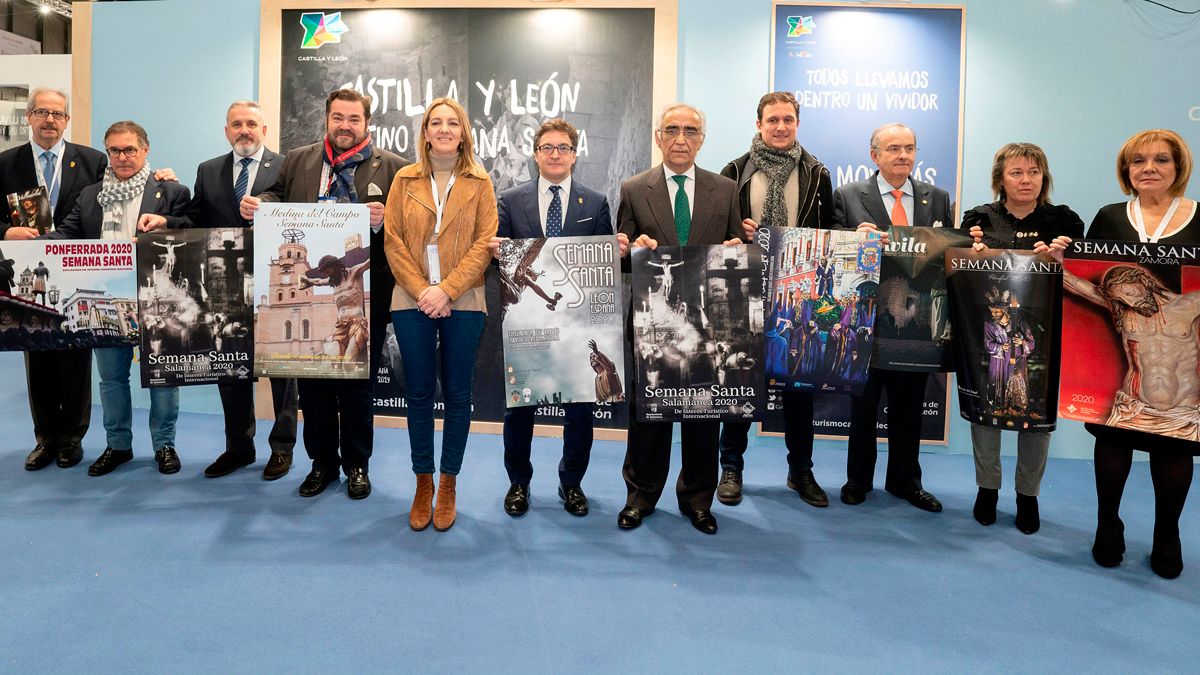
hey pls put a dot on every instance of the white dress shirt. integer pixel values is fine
(58, 149)
(253, 168)
(545, 195)
(689, 187)
(889, 202)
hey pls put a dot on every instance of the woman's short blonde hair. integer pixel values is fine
(1179, 151)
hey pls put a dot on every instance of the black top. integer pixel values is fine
(1112, 222)
(1002, 229)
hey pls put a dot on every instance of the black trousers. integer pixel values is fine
(648, 461)
(906, 398)
(337, 413)
(797, 435)
(577, 443)
(60, 395)
(237, 400)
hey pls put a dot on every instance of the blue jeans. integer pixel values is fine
(113, 364)
(419, 338)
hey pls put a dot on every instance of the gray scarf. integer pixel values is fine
(112, 198)
(778, 165)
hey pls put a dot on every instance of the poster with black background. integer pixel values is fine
(31, 208)
(912, 328)
(563, 324)
(697, 332)
(511, 68)
(196, 306)
(1006, 312)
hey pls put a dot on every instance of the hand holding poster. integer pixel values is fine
(60, 294)
(1005, 311)
(561, 301)
(913, 324)
(1129, 313)
(820, 307)
(195, 301)
(30, 208)
(311, 319)
(697, 322)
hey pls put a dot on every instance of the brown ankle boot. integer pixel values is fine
(422, 506)
(443, 515)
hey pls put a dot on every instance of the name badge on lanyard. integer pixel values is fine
(432, 260)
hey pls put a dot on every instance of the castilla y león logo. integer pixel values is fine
(800, 25)
(321, 28)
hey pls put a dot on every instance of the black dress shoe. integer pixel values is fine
(358, 485)
(810, 491)
(574, 501)
(729, 490)
(923, 500)
(168, 461)
(1029, 519)
(516, 501)
(853, 495)
(630, 517)
(1166, 558)
(109, 460)
(40, 458)
(985, 506)
(703, 520)
(316, 481)
(228, 462)
(69, 455)
(1109, 547)
(277, 466)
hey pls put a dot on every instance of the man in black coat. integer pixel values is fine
(221, 182)
(60, 382)
(890, 198)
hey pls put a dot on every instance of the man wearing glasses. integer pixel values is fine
(552, 206)
(126, 201)
(890, 198)
(60, 382)
(675, 203)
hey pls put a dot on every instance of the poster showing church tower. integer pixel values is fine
(312, 291)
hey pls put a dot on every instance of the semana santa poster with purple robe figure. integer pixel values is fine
(1006, 312)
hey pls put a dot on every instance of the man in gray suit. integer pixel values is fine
(345, 166)
(676, 203)
(890, 198)
(221, 182)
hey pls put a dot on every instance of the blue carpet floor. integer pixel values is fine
(139, 572)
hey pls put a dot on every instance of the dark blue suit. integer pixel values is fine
(585, 214)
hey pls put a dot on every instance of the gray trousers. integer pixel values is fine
(1032, 450)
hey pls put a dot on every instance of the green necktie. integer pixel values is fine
(683, 215)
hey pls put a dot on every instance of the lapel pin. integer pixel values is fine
(924, 201)
(581, 200)
(158, 195)
(375, 164)
(266, 164)
(72, 164)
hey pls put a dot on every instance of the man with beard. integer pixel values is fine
(221, 182)
(344, 167)
(1158, 395)
(780, 184)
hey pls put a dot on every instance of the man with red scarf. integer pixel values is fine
(343, 167)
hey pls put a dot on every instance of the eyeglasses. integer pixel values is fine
(127, 153)
(673, 131)
(563, 149)
(42, 113)
(897, 149)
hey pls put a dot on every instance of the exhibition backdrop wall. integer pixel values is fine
(1075, 77)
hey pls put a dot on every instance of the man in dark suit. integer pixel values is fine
(890, 198)
(221, 182)
(554, 205)
(60, 382)
(675, 203)
(805, 199)
(128, 200)
(345, 166)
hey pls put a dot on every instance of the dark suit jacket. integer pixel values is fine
(298, 181)
(860, 202)
(213, 204)
(81, 166)
(165, 198)
(646, 209)
(586, 212)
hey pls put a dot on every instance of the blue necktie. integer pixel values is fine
(49, 159)
(554, 214)
(243, 181)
